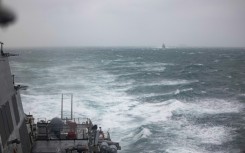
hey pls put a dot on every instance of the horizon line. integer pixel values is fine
(120, 46)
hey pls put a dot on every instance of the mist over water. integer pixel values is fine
(152, 100)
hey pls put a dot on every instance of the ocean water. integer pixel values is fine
(188, 100)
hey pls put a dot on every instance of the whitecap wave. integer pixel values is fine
(156, 112)
(166, 82)
(143, 133)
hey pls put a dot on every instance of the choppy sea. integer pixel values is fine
(178, 100)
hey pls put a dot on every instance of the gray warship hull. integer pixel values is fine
(13, 129)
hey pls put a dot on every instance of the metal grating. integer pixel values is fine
(24, 138)
(16, 110)
(3, 134)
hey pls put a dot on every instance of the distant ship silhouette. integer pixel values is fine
(163, 46)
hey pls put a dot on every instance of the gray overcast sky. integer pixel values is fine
(197, 23)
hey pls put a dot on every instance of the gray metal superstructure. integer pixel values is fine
(13, 129)
(20, 134)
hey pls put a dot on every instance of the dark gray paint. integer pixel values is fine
(24, 138)
(3, 133)
(9, 117)
(16, 110)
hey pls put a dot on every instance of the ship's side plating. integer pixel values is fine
(14, 136)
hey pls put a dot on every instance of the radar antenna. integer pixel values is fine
(6, 54)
